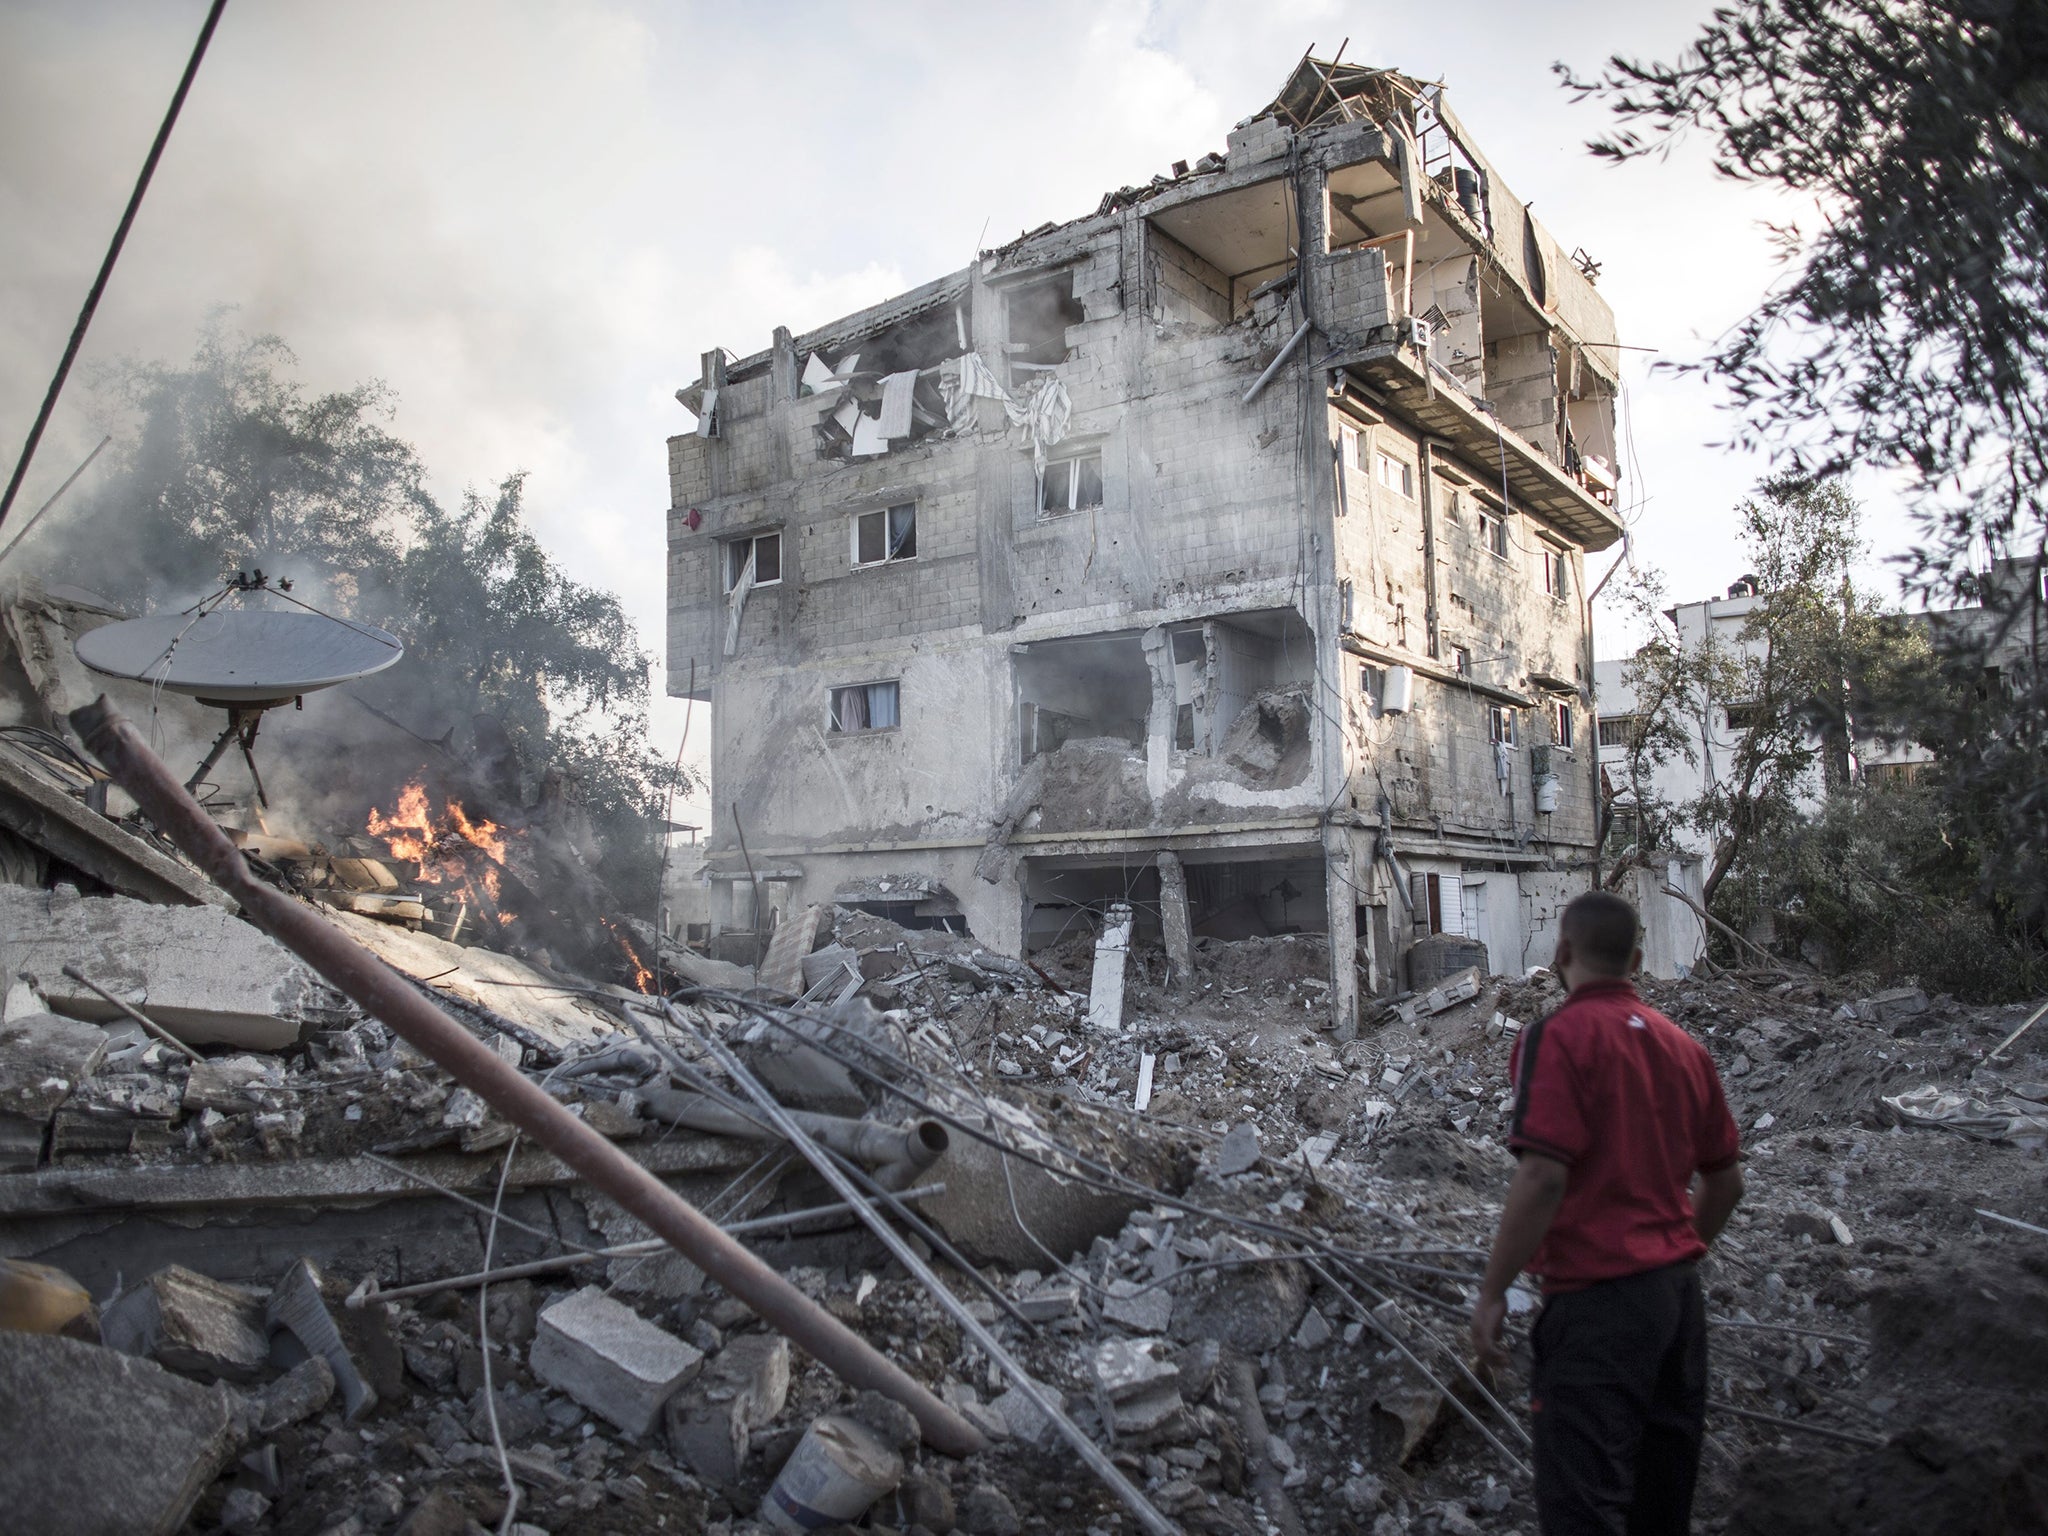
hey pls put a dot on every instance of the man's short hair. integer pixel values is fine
(1603, 931)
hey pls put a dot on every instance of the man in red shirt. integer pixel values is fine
(1616, 1111)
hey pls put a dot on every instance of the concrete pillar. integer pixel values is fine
(1173, 917)
(1343, 916)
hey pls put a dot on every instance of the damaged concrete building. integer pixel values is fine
(1220, 552)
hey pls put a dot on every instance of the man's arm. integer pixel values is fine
(1534, 1195)
(1714, 1199)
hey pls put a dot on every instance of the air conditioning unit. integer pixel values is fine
(1420, 332)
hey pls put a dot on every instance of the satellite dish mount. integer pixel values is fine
(244, 660)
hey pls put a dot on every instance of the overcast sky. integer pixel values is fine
(530, 219)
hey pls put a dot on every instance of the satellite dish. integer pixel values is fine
(239, 656)
(242, 660)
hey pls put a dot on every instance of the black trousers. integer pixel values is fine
(1618, 1400)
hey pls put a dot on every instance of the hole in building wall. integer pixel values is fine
(1232, 894)
(1039, 314)
(1218, 252)
(1088, 687)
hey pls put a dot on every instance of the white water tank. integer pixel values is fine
(1546, 793)
(1399, 696)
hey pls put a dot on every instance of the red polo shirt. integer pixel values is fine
(1632, 1105)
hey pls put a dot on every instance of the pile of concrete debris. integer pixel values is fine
(267, 1268)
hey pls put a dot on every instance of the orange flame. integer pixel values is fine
(439, 848)
(641, 975)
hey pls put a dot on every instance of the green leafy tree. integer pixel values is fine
(1818, 666)
(226, 463)
(1910, 331)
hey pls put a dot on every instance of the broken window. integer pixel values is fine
(1040, 313)
(1493, 533)
(1397, 475)
(885, 534)
(1616, 730)
(1500, 724)
(1561, 724)
(1745, 717)
(1071, 484)
(1554, 569)
(866, 707)
(763, 551)
(1461, 660)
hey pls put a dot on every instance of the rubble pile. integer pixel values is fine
(1234, 1252)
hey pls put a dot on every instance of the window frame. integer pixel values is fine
(1501, 725)
(1381, 461)
(1069, 462)
(1627, 724)
(832, 696)
(1493, 531)
(1556, 568)
(1563, 727)
(730, 577)
(885, 514)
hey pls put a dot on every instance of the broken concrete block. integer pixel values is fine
(1024, 1419)
(194, 1325)
(43, 1060)
(200, 972)
(1051, 1302)
(298, 1394)
(1254, 1308)
(1238, 1152)
(976, 1216)
(1106, 986)
(1145, 1311)
(301, 1326)
(1135, 1389)
(100, 1441)
(235, 1085)
(1401, 1417)
(1314, 1332)
(610, 1358)
(711, 1426)
(1893, 1005)
(1174, 922)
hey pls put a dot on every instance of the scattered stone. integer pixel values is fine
(610, 1358)
(987, 1511)
(711, 1427)
(244, 1511)
(1145, 1310)
(1255, 1308)
(235, 1085)
(1050, 1302)
(43, 1060)
(1314, 1332)
(886, 1417)
(298, 1394)
(438, 1514)
(1025, 1420)
(1135, 1390)
(1239, 1150)
(192, 1324)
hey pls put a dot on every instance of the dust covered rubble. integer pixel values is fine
(1265, 1334)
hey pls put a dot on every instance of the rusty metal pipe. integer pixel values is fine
(897, 1151)
(383, 992)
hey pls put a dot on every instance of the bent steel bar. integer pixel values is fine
(380, 989)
